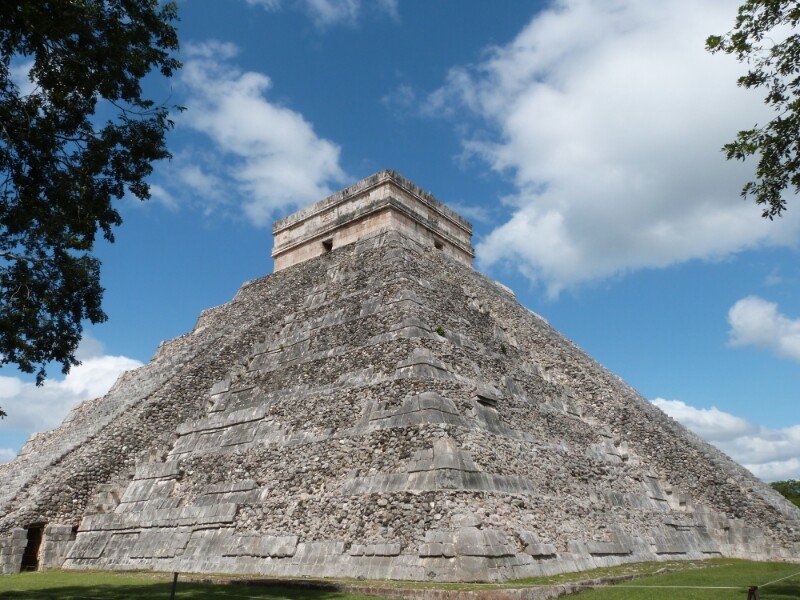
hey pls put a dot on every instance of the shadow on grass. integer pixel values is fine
(185, 591)
(778, 591)
(781, 591)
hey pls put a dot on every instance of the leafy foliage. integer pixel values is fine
(81, 137)
(789, 489)
(764, 37)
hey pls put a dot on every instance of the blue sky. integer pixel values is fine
(581, 138)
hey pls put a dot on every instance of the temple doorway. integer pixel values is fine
(30, 558)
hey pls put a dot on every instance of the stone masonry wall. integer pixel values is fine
(393, 413)
(101, 441)
(382, 201)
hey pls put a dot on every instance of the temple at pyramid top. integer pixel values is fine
(381, 202)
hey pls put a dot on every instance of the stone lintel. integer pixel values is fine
(384, 201)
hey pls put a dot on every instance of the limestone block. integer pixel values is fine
(422, 364)
(436, 549)
(247, 396)
(58, 533)
(221, 420)
(220, 386)
(158, 470)
(243, 433)
(184, 445)
(670, 543)
(147, 489)
(208, 543)
(654, 489)
(160, 543)
(619, 545)
(407, 295)
(425, 408)
(534, 547)
(318, 552)
(541, 551)
(262, 546)
(89, 545)
(465, 519)
(470, 541)
(370, 307)
(382, 549)
(447, 455)
(435, 401)
(57, 540)
(236, 486)
(12, 547)
(120, 545)
(487, 395)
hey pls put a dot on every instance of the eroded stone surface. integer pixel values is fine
(382, 202)
(382, 411)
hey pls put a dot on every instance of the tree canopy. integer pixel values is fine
(764, 37)
(790, 489)
(76, 133)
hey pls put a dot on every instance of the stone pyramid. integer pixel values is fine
(377, 408)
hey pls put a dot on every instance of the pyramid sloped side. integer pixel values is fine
(97, 447)
(406, 418)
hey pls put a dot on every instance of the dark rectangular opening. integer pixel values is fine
(438, 244)
(486, 400)
(327, 245)
(30, 557)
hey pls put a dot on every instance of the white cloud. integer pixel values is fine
(7, 454)
(710, 424)
(89, 347)
(473, 212)
(204, 183)
(211, 49)
(390, 7)
(774, 278)
(331, 12)
(756, 322)
(779, 470)
(31, 408)
(265, 153)
(163, 197)
(771, 454)
(400, 100)
(610, 115)
(327, 13)
(20, 73)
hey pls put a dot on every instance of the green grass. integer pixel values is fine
(734, 573)
(637, 570)
(63, 585)
(71, 585)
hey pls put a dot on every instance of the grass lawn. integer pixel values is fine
(70, 585)
(734, 573)
(65, 585)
